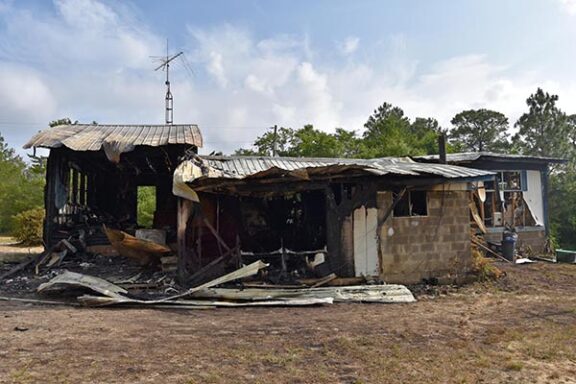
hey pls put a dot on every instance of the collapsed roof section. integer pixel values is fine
(115, 139)
(220, 173)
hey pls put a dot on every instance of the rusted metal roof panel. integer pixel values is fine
(91, 137)
(240, 167)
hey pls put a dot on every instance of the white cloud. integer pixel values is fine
(26, 100)
(569, 6)
(349, 45)
(216, 68)
(87, 15)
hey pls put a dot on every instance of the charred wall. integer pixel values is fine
(84, 190)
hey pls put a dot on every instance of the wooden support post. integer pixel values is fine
(82, 196)
(74, 191)
(184, 212)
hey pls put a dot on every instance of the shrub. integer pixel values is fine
(483, 268)
(28, 226)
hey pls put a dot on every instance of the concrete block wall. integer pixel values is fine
(424, 247)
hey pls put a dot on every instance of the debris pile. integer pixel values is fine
(207, 296)
(146, 277)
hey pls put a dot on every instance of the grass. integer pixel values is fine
(514, 366)
(6, 240)
(518, 330)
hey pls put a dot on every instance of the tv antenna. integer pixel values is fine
(165, 66)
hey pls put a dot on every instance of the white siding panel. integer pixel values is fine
(533, 196)
(365, 242)
(372, 267)
(360, 241)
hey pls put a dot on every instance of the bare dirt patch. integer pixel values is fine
(11, 251)
(521, 329)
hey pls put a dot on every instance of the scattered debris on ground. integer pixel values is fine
(139, 277)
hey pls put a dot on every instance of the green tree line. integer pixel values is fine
(22, 185)
(543, 130)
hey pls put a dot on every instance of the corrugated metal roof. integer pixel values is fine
(467, 157)
(244, 167)
(91, 137)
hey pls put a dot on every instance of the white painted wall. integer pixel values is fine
(365, 227)
(533, 196)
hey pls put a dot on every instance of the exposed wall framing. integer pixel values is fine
(85, 190)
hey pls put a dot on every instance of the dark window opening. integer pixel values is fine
(419, 203)
(298, 222)
(413, 203)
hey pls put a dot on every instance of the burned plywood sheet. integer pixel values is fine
(144, 251)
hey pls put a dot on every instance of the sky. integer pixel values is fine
(251, 64)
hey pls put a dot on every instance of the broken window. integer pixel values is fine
(413, 203)
(505, 200)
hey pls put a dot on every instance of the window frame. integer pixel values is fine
(408, 196)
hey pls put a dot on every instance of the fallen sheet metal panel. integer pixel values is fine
(206, 296)
(93, 283)
(115, 294)
(387, 293)
(98, 301)
(246, 271)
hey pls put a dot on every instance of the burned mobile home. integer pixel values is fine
(94, 172)
(390, 218)
(516, 198)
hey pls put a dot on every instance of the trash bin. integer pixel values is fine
(509, 239)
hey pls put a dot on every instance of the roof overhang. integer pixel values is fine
(232, 174)
(115, 139)
(465, 158)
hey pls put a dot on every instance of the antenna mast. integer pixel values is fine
(169, 99)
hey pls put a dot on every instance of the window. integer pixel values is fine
(413, 203)
(505, 201)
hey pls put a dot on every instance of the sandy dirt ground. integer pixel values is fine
(521, 329)
(10, 251)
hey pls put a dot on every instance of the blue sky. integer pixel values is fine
(259, 63)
